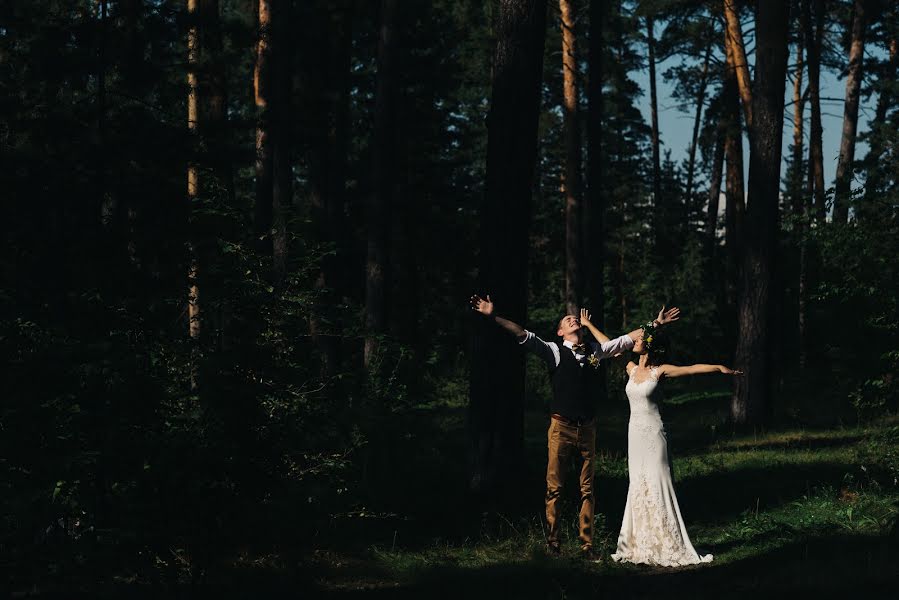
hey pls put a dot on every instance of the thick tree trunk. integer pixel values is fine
(733, 36)
(697, 121)
(496, 408)
(843, 182)
(654, 110)
(379, 208)
(572, 177)
(813, 37)
(751, 393)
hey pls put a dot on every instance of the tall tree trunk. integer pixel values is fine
(733, 36)
(843, 182)
(496, 409)
(697, 121)
(328, 175)
(380, 204)
(813, 37)
(881, 133)
(264, 164)
(108, 198)
(751, 392)
(594, 202)
(572, 176)
(282, 170)
(798, 197)
(733, 183)
(715, 188)
(796, 191)
(654, 109)
(193, 121)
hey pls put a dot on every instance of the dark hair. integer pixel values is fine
(658, 349)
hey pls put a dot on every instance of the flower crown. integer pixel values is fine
(649, 336)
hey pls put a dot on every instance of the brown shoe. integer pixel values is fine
(587, 553)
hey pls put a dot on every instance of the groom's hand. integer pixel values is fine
(668, 316)
(485, 307)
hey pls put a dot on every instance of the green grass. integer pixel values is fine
(787, 510)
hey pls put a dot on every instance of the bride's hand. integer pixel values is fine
(585, 317)
(667, 316)
(729, 371)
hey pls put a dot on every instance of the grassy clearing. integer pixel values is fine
(810, 509)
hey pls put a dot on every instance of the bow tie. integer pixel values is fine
(579, 348)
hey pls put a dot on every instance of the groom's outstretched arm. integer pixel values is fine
(548, 352)
(485, 307)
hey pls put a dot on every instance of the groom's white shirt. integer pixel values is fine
(549, 351)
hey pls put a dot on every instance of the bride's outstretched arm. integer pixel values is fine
(586, 322)
(676, 371)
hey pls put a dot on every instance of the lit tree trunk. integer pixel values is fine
(496, 410)
(850, 115)
(733, 183)
(594, 204)
(697, 121)
(572, 177)
(733, 35)
(193, 118)
(654, 109)
(380, 204)
(813, 37)
(758, 243)
(262, 86)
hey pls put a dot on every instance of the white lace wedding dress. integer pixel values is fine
(652, 531)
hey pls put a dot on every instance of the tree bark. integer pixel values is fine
(751, 393)
(380, 204)
(875, 179)
(572, 177)
(733, 35)
(796, 191)
(193, 120)
(843, 182)
(496, 411)
(733, 183)
(264, 165)
(813, 37)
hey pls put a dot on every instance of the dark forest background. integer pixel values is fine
(240, 236)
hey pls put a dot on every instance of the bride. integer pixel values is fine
(652, 531)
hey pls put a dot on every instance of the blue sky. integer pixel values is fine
(676, 126)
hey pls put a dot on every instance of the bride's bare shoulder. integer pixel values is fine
(629, 366)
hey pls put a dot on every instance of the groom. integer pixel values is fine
(573, 371)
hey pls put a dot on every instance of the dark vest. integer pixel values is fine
(574, 387)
